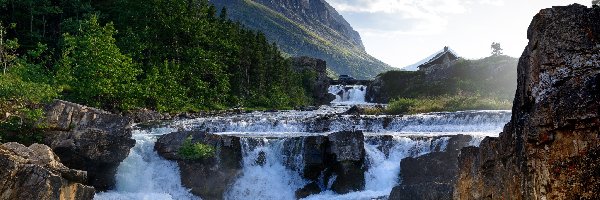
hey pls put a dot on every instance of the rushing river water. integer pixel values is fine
(145, 175)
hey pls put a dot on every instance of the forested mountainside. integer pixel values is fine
(307, 28)
(171, 56)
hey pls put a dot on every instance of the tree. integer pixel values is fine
(7, 50)
(496, 49)
(595, 2)
(94, 68)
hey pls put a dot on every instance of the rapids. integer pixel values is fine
(388, 139)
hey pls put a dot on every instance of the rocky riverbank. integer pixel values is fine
(84, 148)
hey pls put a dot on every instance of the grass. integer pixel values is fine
(445, 103)
(195, 151)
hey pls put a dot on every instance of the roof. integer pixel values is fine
(439, 56)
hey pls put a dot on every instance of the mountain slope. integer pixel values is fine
(307, 28)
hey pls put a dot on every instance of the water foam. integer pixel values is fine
(144, 175)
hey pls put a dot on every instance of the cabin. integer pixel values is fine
(442, 60)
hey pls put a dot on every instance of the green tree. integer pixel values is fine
(95, 71)
(496, 49)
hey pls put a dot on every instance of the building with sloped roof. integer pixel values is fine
(442, 60)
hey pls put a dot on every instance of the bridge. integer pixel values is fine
(350, 82)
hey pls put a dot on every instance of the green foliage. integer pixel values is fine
(171, 56)
(445, 103)
(94, 70)
(23, 127)
(195, 151)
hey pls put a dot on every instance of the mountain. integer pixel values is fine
(307, 28)
(415, 67)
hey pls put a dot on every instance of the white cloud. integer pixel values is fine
(425, 16)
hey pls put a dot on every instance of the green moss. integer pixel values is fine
(195, 151)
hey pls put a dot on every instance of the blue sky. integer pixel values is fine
(402, 32)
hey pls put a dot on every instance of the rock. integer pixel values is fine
(431, 176)
(430, 191)
(307, 190)
(355, 110)
(549, 149)
(35, 172)
(347, 145)
(315, 156)
(347, 163)
(88, 139)
(208, 178)
(145, 115)
(320, 84)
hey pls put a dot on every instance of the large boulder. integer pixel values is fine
(348, 156)
(211, 177)
(319, 82)
(550, 148)
(431, 176)
(88, 139)
(35, 172)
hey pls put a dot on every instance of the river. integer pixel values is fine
(145, 175)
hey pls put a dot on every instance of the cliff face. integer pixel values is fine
(550, 148)
(307, 28)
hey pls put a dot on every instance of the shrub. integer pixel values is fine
(23, 128)
(195, 151)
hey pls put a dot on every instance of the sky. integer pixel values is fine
(402, 32)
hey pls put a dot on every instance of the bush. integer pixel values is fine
(195, 151)
(23, 127)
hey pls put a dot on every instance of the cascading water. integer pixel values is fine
(144, 175)
(272, 156)
(348, 94)
(265, 175)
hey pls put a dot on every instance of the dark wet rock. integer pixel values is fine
(208, 178)
(347, 163)
(429, 191)
(315, 156)
(347, 145)
(35, 172)
(549, 148)
(355, 110)
(307, 190)
(145, 115)
(433, 175)
(88, 139)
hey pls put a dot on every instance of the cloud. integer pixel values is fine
(403, 16)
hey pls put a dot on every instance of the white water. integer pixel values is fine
(272, 179)
(144, 175)
(384, 169)
(348, 94)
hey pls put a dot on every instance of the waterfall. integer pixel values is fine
(348, 94)
(383, 158)
(265, 175)
(145, 175)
